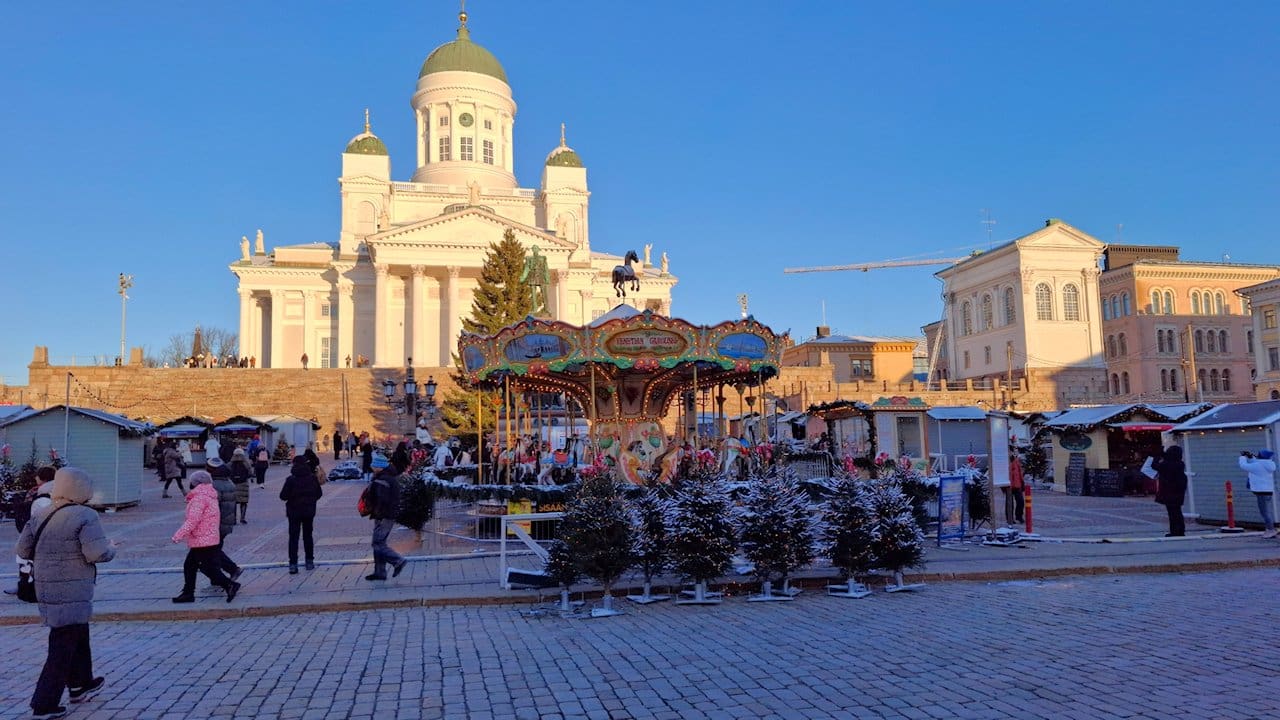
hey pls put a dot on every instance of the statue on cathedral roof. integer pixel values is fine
(258, 248)
(244, 248)
(537, 277)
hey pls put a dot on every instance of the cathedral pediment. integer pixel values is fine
(1061, 235)
(472, 228)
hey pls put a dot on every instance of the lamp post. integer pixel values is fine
(409, 403)
(431, 396)
(126, 282)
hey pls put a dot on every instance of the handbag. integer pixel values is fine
(27, 580)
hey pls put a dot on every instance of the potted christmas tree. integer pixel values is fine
(702, 537)
(846, 534)
(597, 530)
(774, 531)
(649, 513)
(561, 568)
(896, 539)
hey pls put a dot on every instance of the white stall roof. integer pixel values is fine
(957, 412)
(1089, 415)
(1234, 415)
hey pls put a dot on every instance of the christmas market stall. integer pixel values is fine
(1211, 446)
(850, 433)
(239, 430)
(191, 433)
(626, 369)
(108, 447)
(298, 433)
(957, 434)
(1100, 450)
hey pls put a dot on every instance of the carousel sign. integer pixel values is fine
(635, 342)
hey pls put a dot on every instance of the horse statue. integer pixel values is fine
(623, 274)
(731, 449)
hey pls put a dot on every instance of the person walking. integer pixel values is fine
(366, 459)
(200, 531)
(1017, 481)
(300, 493)
(1172, 475)
(36, 499)
(173, 468)
(304, 361)
(226, 513)
(261, 461)
(65, 541)
(1262, 484)
(337, 445)
(239, 470)
(386, 507)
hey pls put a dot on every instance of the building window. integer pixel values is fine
(446, 153)
(1248, 342)
(1164, 379)
(326, 353)
(1115, 384)
(1111, 346)
(488, 124)
(1202, 378)
(1211, 342)
(1222, 341)
(1124, 381)
(1070, 303)
(1220, 303)
(1168, 302)
(1124, 304)
(1273, 358)
(1106, 311)
(326, 310)
(1159, 341)
(862, 368)
(986, 354)
(966, 359)
(1009, 314)
(1269, 318)
(466, 149)
(1246, 307)
(1214, 383)
(1124, 345)
(1173, 379)
(1155, 302)
(1115, 306)
(988, 321)
(1195, 303)
(1226, 380)
(966, 318)
(487, 148)
(1044, 302)
(444, 121)
(1199, 345)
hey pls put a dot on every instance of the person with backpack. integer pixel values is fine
(226, 512)
(239, 469)
(383, 496)
(261, 460)
(36, 499)
(300, 493)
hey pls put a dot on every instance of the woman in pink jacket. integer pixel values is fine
(200, 530)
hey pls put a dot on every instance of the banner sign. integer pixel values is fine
(951, 508)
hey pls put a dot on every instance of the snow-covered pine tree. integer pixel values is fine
(896, 540)
(561, 568)
(913, 486)
(774, 528)
(846, 532)
(598, 532)
(649, 515)
(702, 536)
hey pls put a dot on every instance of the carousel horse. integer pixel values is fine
(731, 450)
(623, 274)
(667, 463)
(630, 464)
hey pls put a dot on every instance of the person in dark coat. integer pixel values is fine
(337, 444)
(401, 458)
(221, 475)
(312, 458)
(1172, 475)
(366, 459)
(66, 557)
(240, 470)
(173, 468)
(300, 493)
(386, 507)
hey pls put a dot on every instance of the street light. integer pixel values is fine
(126, 282)
(431, 396)
(408, 403)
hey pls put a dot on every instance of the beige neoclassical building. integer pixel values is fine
(399, 279)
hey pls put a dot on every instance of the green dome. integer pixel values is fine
(564, 157)
(464, 56)
(366, 144)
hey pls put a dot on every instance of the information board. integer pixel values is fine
(1106, 483)
(1075, 474)
(999, 438)
(951, 508)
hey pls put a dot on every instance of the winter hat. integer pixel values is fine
(200, 477)
(214, 462)
(72, 485)
(1265, 454)
(239, 453)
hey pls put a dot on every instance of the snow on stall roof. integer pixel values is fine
(99, 415)
(1234, 415)
(621, 312)
(1178, 411)
(7, 410)
(1089, 415)
(957, 412)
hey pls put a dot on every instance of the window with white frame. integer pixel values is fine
(966, 318)
(466, 149)
(326, 353)
(1070, 302)
(446, 153)
(1269, 318)
(488, 124)
(487, 149)
(987, 318)
(1010, 314)
(1044, 302)
(1155, 302)
(1169, 307)
(326, 310)
(1219, 303)
(1124, 304)
(1195, 303)
(444, 121)
(986, 354)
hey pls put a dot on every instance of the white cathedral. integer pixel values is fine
(399, 280)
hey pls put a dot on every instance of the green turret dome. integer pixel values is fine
(366, 143)
(464, 56)
(563, 155)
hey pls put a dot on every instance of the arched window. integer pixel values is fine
(987, 321)
(1115, 384)
(1222, 341)
(1124, 304)
(1124, 345)
(1211, 342)
(1202, 376)
(1010, 315)
(1044, 302)
(1171, 338)
(1195, 303)
(1226, 380)
(1219, 303)
(1111, 346)
(1168, 302)
(966, 319)
(1164, 379)
(1106, 311)
(1115, 306)
(1155, 302)
(1275, 394)
(1214, 383)
(1248, 342)
(1199, 341)
(1070, 302)
(1173, 379)
(1159, 341)
(1124, 380)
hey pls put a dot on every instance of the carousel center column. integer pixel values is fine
(418, 313)
(380, 314)
(452, 316)
(277, 329)
(346, 328)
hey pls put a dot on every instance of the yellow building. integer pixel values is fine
(856, 358)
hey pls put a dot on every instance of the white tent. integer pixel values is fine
(298, 433)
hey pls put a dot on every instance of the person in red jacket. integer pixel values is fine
(200, 531)
(1016, 482)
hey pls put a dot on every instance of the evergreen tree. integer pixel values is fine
(500, 299)
(597, 530)
(896, 539)
(847, 527)
(650, 512)
(561, 568)
(775, 532)
(702, 536)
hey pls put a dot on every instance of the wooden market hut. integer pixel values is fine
(956, 433)
(191, 432)
(106, 446)
(1211, 445)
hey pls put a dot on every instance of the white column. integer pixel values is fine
(346, 326)
(586, 305)
(508, 159)
(418, 315)
(423, 127)
(246, 320)
(452, 315)
(277, 331)
(562, 295)
(381, 317)
(308, 331)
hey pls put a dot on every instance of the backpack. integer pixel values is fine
(367, 501)
(22, 508)
(263, 457)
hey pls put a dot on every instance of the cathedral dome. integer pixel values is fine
(563, 155)
(366, 143)
(464, 56)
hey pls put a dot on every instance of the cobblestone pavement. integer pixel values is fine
(1146, 646)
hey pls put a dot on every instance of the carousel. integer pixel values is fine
(625, 370)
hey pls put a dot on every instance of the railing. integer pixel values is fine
(460, 190)
(513, 524)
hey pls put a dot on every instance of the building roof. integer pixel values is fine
(620, 312)
(131, 427)
(1234, 415)
(366, 143)
(7, 410)
(959, 412)
(1087, 418)
(282, 419)
(847, 339)
(462, 55)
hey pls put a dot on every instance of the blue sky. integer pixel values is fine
(740, 137)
